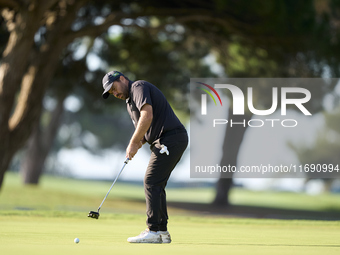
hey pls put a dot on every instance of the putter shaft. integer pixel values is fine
(121, 170)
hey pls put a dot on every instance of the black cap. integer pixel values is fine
(108, 80)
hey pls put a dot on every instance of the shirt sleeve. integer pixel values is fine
(141, 95)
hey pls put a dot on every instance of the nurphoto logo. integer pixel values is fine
(261, 127)
(204, 97)
(303, 96)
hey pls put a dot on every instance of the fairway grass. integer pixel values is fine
(46, 220)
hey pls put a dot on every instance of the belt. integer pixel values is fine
(174, 131)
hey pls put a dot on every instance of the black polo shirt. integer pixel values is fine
(164, 118)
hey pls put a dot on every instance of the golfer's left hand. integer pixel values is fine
(132, 149)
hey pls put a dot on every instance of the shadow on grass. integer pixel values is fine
(248, 211)
(255, 211)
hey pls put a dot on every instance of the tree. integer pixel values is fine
(68, 76)
(302, 47)
(137, 59)
(39, 30)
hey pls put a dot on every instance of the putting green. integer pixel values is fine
(28, 233)
(46, 219)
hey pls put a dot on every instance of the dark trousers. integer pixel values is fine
(157, 175)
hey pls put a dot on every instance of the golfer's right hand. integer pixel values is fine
(132, 149)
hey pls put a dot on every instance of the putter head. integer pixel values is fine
(93, 215)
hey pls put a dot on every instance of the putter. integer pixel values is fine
(95, 215)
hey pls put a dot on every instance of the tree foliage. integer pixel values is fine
(39, 32)
(250, 38)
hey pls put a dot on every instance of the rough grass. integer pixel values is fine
(58, 193)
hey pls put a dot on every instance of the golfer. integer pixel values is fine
(156, 124)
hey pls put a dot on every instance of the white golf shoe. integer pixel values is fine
(165, 236)
(146, 236)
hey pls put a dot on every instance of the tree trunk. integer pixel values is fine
(29, 106)
(25, 116)
(15, 129)
(39, 146)
(5, 159)
(33, 162)
(231, 146)
(26, 113)
(14, 61)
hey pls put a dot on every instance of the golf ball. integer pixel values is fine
(76, 240)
